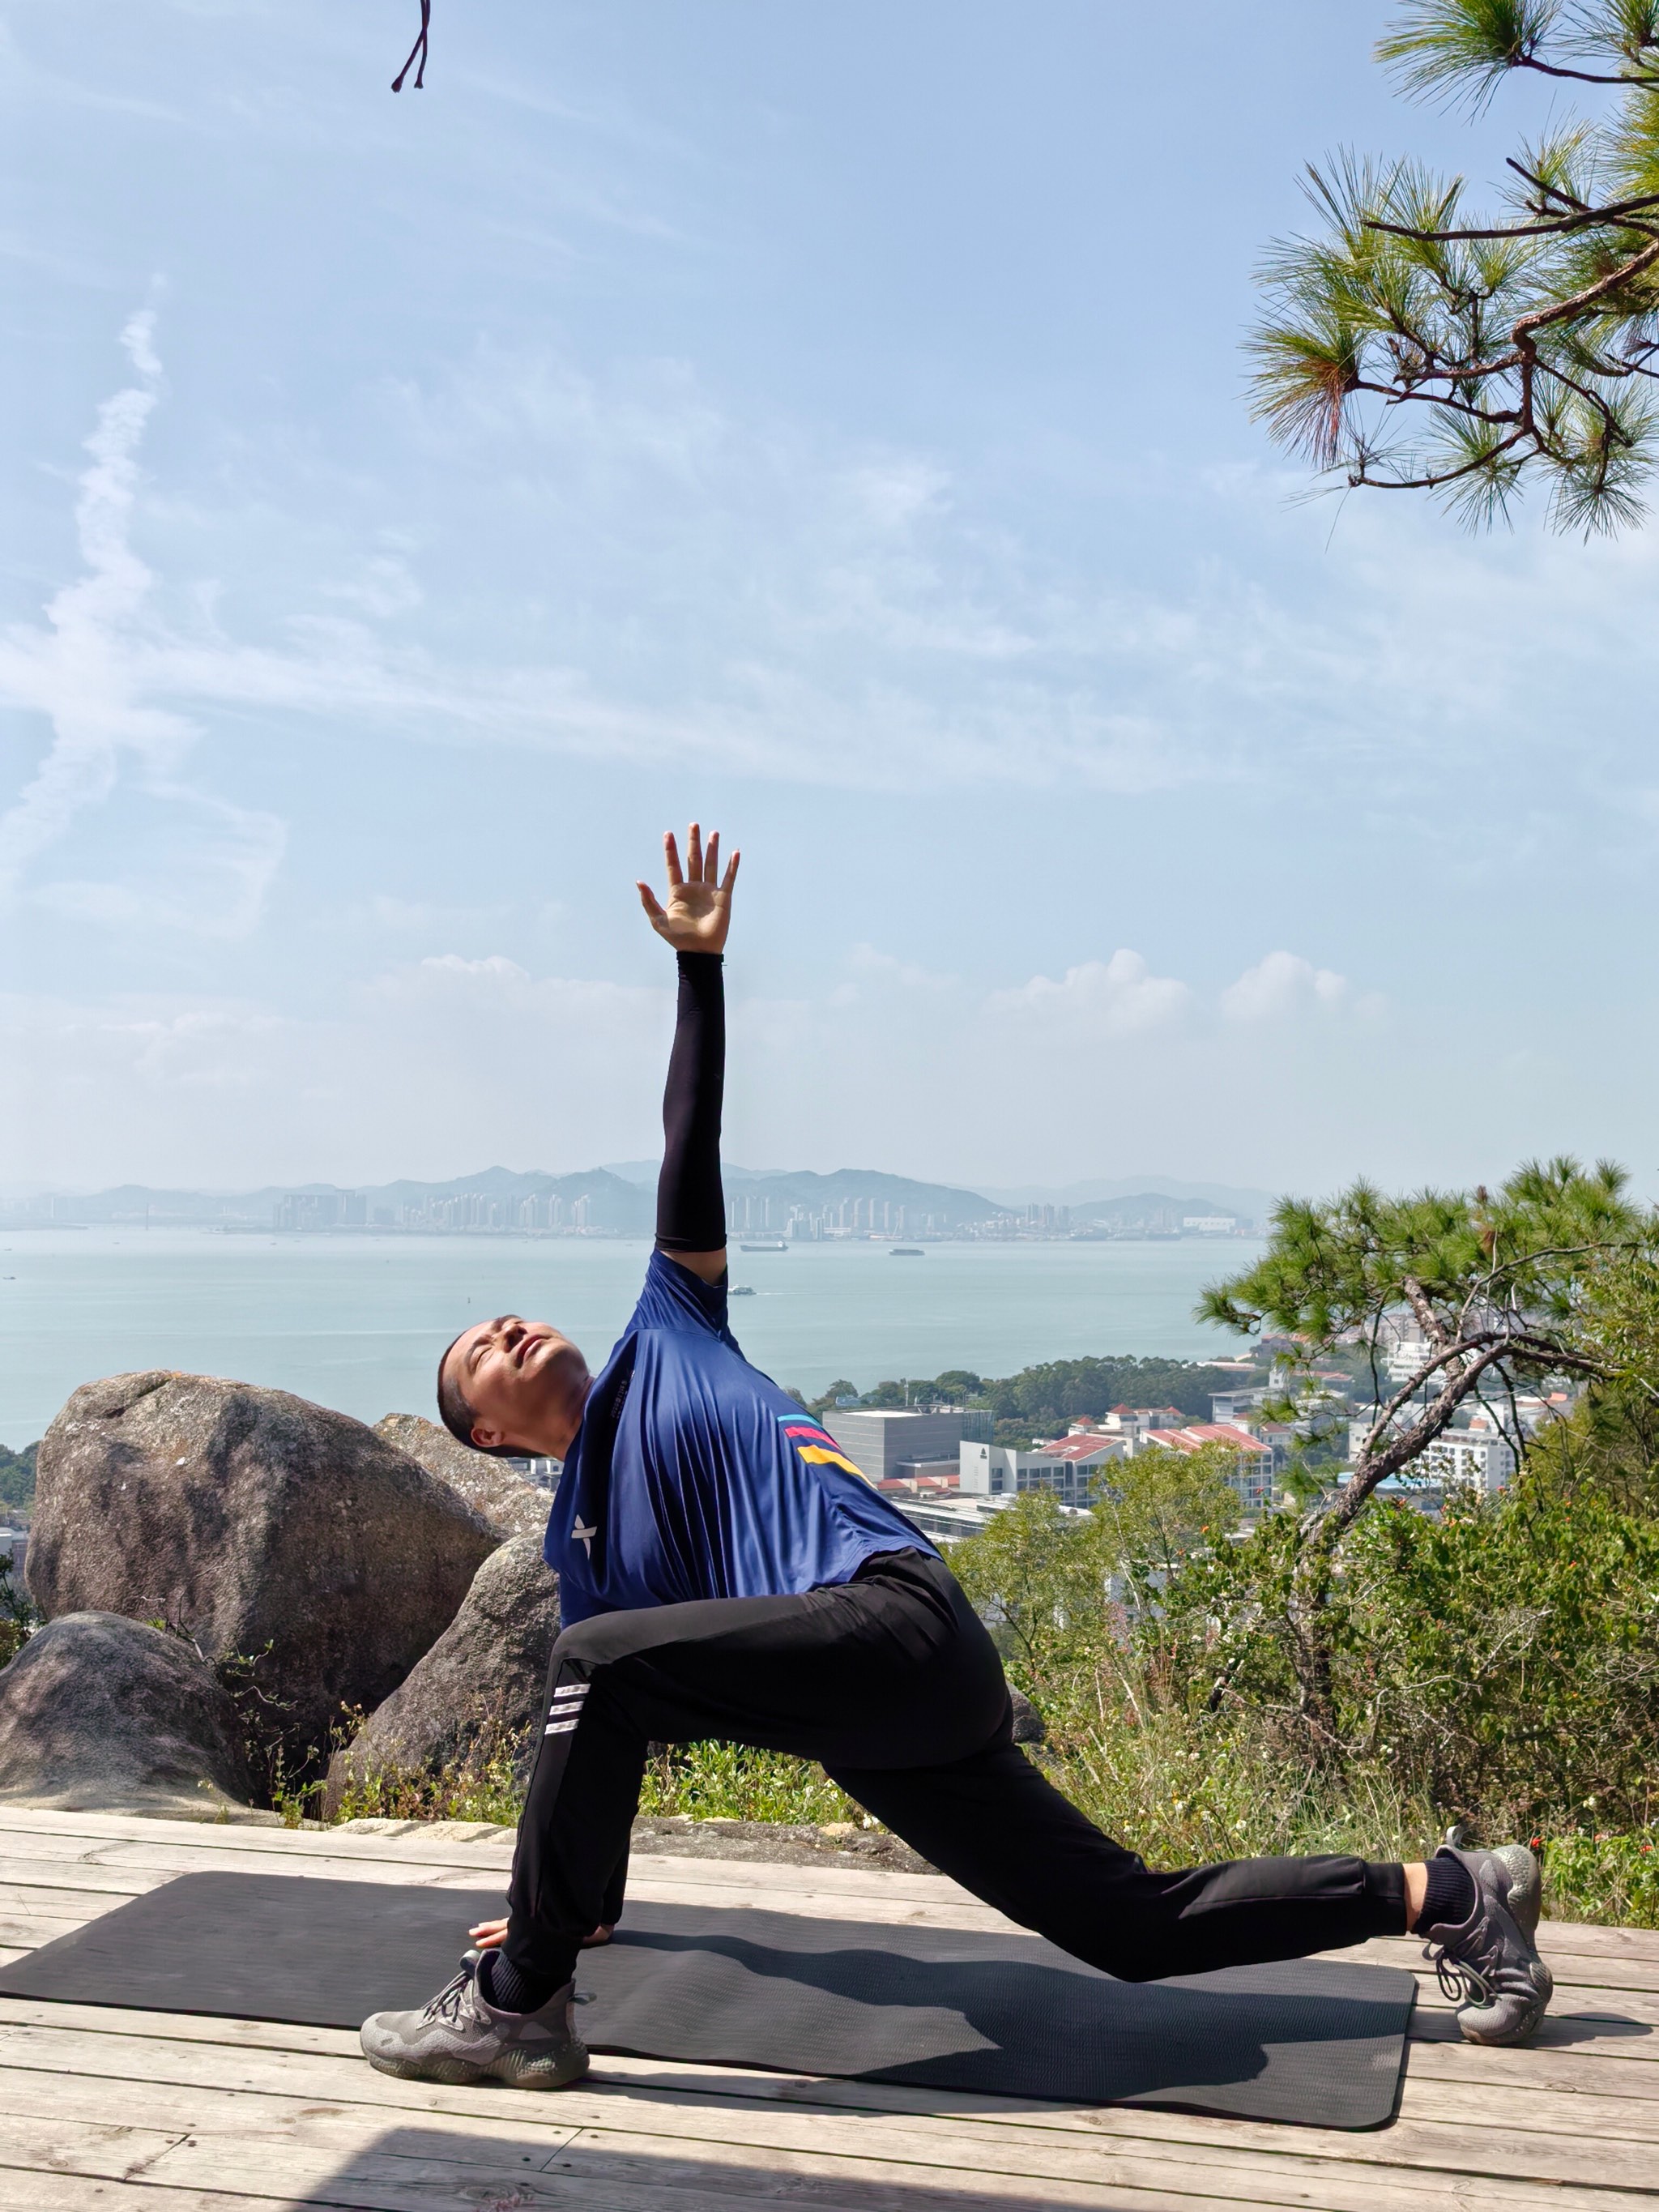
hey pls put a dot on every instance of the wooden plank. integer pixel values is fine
(1606, 2017)
(664, 2156)
(97, 1830)
(1128, 2177)
(532, 2126)
(1583, 1936)
(1600, 2116)
(645, 1883)
(1592, 2035)
(176, 2026)
(27, 1931)
(1583, 2043)
(1531, 2066)
(406, 2171)
(865, 2118)
(78, 1875)
(23, 2189)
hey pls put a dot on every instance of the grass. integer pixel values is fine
(728, 1782)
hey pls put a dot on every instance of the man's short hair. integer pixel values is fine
(458, 1416)
(454, 1411)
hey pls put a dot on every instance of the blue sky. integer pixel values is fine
(829, 420)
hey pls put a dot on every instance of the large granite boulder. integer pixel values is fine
(101, 1714)
(261, 1525)
(478, 1691)
(508, 1500)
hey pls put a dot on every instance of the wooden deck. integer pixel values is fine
(161, 2112)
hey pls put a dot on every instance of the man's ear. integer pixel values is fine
(485, 1439)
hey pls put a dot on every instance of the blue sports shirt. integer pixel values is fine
(694, 1476)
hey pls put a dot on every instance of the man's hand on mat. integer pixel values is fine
(490, 1935)
(698, 909)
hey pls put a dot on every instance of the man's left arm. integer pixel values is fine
(690, 1200)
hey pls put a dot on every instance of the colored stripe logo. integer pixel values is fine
(818, 1446)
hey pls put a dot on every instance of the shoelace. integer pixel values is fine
(1480, 1978)
(1461, 1981)
(446, 2005)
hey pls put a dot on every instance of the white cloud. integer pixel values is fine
(1115, 998)
(82, 672)
(627, 571)
(445, 1064)
(1282, 986)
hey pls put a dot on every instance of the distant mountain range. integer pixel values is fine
(1196, 1197)
(621, 1200)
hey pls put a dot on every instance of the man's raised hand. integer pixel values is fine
(698, 912)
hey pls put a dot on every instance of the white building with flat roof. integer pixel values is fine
(1479, 1457)
(878, 1442)
(1070, 1473)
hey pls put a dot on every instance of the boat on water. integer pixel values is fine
(775, 1244)
(906, 1252)
(741, 1291)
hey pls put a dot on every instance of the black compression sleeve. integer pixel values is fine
(690, 1203)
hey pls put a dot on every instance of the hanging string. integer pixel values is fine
(417, 49)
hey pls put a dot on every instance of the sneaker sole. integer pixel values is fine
(461, 2074)
(1471, 2030)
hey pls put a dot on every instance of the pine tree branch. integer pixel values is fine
(1556, 225)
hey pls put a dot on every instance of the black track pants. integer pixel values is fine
(891, 1682)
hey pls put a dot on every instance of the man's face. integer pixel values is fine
(526, 1383)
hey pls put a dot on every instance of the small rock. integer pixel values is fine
(508, 1500)
(479, 1690)
(1028, 1721)
(102, 1714)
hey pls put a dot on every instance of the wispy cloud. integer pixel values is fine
(83, 670)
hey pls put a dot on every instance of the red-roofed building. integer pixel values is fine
(1084, 1447)
(1255, 1462)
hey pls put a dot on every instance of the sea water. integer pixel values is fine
(358, 1322)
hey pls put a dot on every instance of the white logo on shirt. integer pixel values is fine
(585, 1537)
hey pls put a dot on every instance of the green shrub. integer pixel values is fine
(1611, 1879)
(730, 1782)
(485, 1786)
(18, 1618)
(1498, 1669)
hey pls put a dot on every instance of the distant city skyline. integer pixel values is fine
(606, 1200)
(796, 418)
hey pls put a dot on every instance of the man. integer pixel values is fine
(726, 1573)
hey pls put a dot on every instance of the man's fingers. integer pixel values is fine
(694, 853)
(711, 858)
(671, 855)
(648, 901)
(730, 871)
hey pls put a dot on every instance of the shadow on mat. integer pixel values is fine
(1004, 2026)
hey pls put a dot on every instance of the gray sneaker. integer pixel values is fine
(1488, 1965)
(461, 2038)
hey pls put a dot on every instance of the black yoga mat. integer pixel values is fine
(1313, 2041)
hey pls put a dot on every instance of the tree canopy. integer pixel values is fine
(1414, 343)
(1477, 1295)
